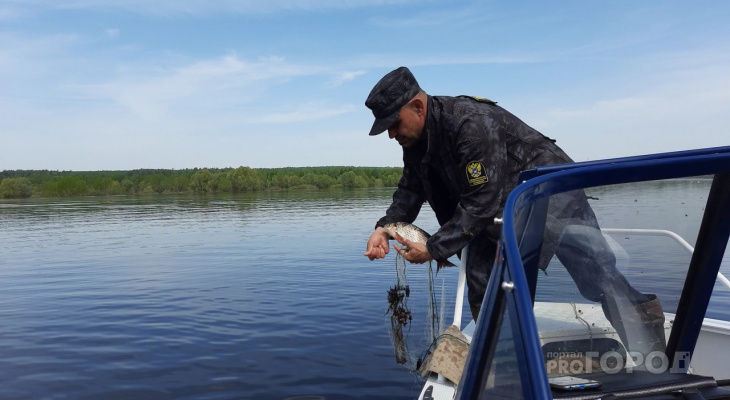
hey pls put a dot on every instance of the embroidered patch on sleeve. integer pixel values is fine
(476, 174)
(483, 100)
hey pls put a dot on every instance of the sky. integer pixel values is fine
(128, 84)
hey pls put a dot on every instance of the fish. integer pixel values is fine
(414, 234)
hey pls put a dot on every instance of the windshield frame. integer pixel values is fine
(523, 214)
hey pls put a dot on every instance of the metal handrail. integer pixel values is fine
(459, 304)
(663, 232)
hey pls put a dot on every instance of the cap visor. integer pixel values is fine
(382, 124)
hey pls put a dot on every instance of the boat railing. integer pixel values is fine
(461, 282)
(460, 286)
(663, 232)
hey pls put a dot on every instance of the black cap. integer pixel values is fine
(391, 93)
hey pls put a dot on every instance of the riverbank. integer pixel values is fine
(45, 183)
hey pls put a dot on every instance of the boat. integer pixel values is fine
(538, 337)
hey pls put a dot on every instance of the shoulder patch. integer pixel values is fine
(476, 174)
(483, 100)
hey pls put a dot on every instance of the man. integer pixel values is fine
(464, 155)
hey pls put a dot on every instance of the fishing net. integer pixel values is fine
(415, 320)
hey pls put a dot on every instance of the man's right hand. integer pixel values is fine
(378, 244)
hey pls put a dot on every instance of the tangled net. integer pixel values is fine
(401, 316)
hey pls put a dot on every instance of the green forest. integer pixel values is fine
(45, 183)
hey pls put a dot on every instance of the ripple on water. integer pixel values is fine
(184, 298)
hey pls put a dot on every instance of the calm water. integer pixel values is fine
(653, 264)
(262, 296)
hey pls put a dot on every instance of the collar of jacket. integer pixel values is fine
(430, 124)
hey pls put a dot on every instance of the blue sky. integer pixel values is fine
(127, 84)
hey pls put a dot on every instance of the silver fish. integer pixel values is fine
(414, 234)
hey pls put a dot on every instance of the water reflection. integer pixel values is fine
(246, 296)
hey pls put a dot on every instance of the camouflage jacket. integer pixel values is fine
(470, 160)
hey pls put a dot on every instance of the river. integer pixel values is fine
(260, 296)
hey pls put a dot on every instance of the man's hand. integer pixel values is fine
(416, 253)
(378, 244)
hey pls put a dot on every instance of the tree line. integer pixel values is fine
(46, 183)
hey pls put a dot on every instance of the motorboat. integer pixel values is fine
(623, 300)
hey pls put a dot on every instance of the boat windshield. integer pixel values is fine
(611, 262)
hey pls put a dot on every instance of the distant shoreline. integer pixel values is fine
(45, 183)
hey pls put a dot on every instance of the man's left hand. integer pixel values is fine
(413, 252)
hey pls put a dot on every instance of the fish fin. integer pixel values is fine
(442, 264)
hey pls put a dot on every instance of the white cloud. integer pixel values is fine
(312, 148)
(684, 109)
(345, 76)
(307, 113)
(217, 83)
(195, 7)
(68, 97)
(449, 16)
(33, 53)
(389, 60)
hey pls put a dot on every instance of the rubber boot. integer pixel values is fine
(652, 316)
(643, 323)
